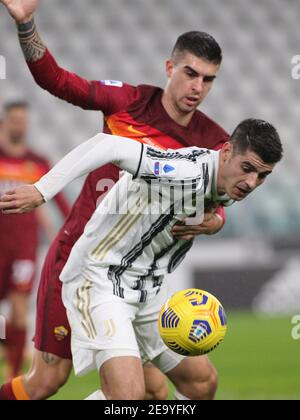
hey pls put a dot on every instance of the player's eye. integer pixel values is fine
(247, 169)
(209, 79)
(191, 74)
(262, 177)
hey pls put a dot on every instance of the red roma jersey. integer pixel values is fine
(13, 173)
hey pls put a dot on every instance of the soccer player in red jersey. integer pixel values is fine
(19, 235)
(166, 118)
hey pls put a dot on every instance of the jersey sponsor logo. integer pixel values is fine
(60, 333)
(115, 83)
(168, 169)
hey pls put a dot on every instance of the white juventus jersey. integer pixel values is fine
(129, 234)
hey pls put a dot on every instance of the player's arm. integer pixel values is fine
(60, 199)
(213, 223)
(44, 68)
(94, 153)
(22, 12)
(50, 76)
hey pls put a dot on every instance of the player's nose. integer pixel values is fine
(252, 181)
(198, 85)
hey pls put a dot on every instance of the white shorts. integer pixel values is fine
(105, 326)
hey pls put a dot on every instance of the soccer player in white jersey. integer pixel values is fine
(113, 285)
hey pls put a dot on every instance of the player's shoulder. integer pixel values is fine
(197, 155)
(185, 154)
(192, 151)
(149, 89)
(207, 126)
(147, 92)
(143, 89)
(126, 97)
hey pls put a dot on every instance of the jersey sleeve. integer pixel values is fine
(107, 96)
(90, 155)
(174, 166)
(60, 199)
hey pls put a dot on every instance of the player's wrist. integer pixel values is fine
(42, 197)
(25, 24)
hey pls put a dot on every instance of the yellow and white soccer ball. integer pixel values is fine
(192, 322)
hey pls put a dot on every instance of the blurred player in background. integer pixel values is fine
(164, 118)
(19, 235)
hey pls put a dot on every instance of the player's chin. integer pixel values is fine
(188, 108)
(238, 195)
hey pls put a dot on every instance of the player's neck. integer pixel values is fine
(220, 180)
(174, 113)
(14, 149)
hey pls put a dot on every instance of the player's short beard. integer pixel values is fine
(16, 139)
(183, 109)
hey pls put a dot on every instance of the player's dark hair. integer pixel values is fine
(8, 106)
(259, 137)
(200, 44)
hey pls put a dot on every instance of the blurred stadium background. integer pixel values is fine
(253, 266)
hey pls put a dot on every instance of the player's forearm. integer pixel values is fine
(50, 76)
(30, 41)
(94, 153)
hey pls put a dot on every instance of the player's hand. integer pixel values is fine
(21, 10)
(211, 225)
(21, 200)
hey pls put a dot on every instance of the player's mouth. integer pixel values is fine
(241, 192)
(192, 100)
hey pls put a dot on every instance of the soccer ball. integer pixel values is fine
(192, 322)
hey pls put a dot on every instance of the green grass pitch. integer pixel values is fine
(258, 360)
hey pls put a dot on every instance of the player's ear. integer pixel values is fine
(169, 68)
(227, 151)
